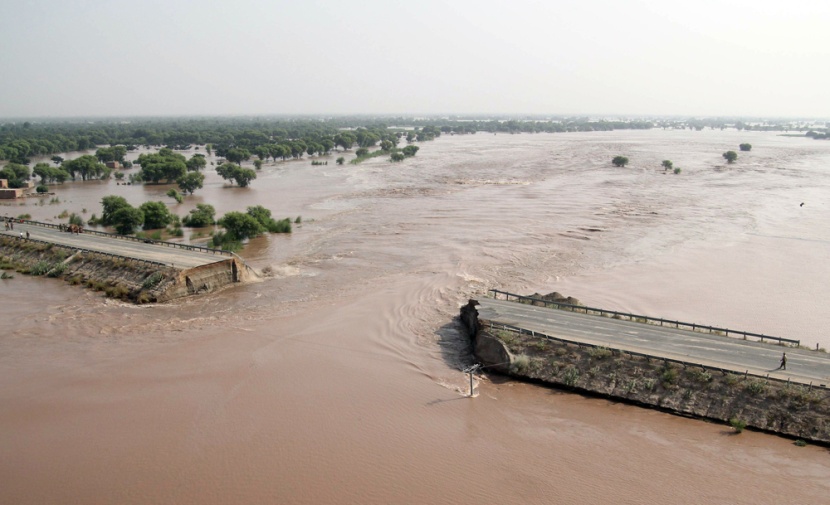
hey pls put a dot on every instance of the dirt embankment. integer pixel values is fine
(136, 281)
(783, 408)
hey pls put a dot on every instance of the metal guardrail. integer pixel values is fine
(136, 239)
(724, 371)
(648, 319)
(89, 251)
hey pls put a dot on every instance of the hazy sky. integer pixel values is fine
(177, 57)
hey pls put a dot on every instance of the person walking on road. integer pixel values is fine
(783, 362)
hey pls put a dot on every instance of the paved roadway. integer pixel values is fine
(684, 345)
(174, 256)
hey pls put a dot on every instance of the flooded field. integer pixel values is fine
(337, 381)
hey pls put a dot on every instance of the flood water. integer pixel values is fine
(337, 381)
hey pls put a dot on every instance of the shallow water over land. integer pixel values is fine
(338, 380)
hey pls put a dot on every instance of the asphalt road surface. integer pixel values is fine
(693, 347)
(173, 256)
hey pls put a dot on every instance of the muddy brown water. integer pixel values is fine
(338, 380)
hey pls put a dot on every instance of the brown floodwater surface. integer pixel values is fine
(337, 381)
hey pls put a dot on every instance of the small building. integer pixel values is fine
(113, 164)
(7, 193)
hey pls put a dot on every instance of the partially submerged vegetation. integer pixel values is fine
(241, 226)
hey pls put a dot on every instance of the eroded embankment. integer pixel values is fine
(788, 409)
(122, 278)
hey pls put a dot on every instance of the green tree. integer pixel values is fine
(196, 162)
(165, 165)
(240, 226)
(263, 152)
(237, 155)
(44, 171)
(345, 140)
(8, 172)
(104, 154)
(111, 205)
(263, 216)
(745, 147)
(396, 156)
(201, 216)
(244, 176)
(279, 151)
(191, 181)
(341, 160)
(156, 215)
(297, 147)
(59, 175)
(619, 161)
(410, 150)
(114, 153)
(258, 164)
(20, 171)
(226, 170)
(366, 138)
(119, 152)
(175, 195)
(57, 160)
(667, 165)
(127, 219)
(730, 156)
(362, 152)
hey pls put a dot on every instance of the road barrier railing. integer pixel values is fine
(90, 251)
(646, 319)
(684, 363)
(135, 239)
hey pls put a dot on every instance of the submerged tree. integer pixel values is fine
(175, 195)
(619, 161)
(191, 181)
(165, 165)
(201, 216)
(730, 156)
(667, 165)
(196, 163)
(410, 150)
(111, 205)
(87, 166)
(240, 226)
(242, 176)
(745, 147)
(156, 215)
(127, 219)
